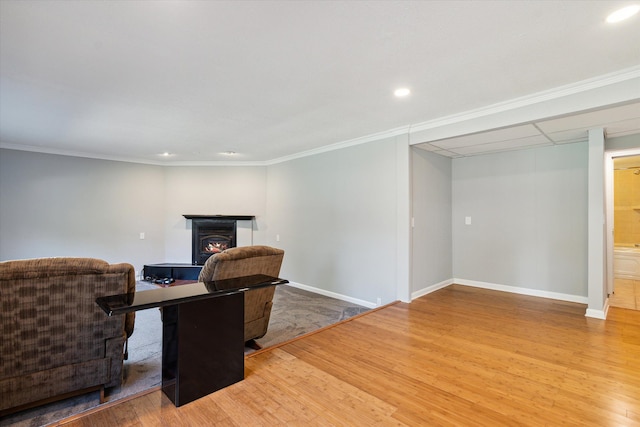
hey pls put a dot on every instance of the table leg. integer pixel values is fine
(202, 347)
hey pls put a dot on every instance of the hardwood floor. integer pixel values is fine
(626, 294)
(459, 356)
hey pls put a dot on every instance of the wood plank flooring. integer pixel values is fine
(626, 294)
(459, 356)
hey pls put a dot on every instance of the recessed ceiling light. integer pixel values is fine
(402, 92)
(622, 14)
(228, 153)
(165, 154)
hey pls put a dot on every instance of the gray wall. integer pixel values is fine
(335, 214)
(528, 214)
(54, 205)
(431, 207)
(231, 190)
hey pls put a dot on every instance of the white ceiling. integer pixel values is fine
(272, 79)
(616, 121)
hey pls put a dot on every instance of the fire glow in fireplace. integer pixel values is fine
(211, 235)
(211, 238)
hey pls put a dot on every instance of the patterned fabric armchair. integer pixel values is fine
(247, 261)
(54, 340)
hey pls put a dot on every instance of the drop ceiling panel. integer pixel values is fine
(617, 121)
(428, 147)
(591, 119)
(507, 134)
(448, 154)
(533, 141)
(436, 150)
(624, 127)
(568, 136)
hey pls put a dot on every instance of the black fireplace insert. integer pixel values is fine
(211, 235)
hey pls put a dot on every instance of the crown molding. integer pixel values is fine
(344, 144)
(71, 153)
(598, 82)
(332, 147)
(216, 163)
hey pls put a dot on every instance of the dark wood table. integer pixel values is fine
(202, 332)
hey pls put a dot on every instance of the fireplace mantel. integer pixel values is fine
(227, 217)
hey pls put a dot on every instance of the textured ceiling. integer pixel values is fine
(270, 79)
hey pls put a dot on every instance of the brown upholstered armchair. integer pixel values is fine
(54, 339)
(247, 261)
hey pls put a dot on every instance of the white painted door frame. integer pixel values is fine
(609, 181)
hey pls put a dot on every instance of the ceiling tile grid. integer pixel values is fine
(617, 121)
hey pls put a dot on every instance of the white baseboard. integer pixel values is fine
(596, 314)
(432, 288)
(333, 295)
(599, 314)
(522, 291)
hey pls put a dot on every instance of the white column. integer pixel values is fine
(403, 255)
(596, 283)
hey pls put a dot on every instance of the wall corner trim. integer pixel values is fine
(598, 314)
(432, 288)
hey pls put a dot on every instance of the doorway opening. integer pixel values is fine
(623, 228)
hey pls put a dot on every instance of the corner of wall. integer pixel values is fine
(429, 289)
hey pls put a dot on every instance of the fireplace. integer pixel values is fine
(212, 234)
(211, 237)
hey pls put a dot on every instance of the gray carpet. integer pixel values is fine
(295, 312)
